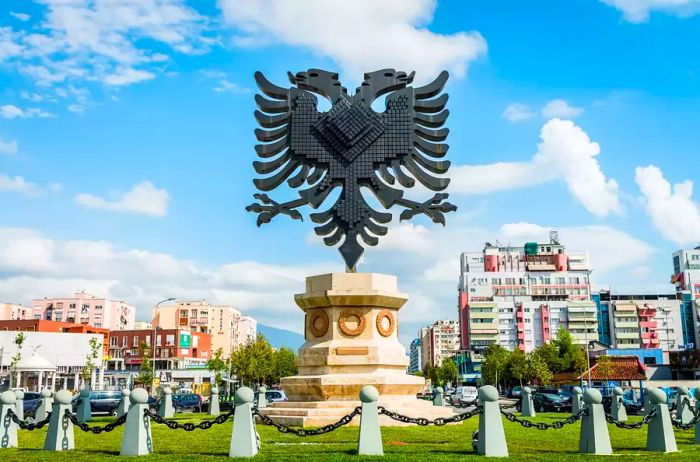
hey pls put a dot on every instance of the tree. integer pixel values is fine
(90, 360)
(517, 366)
(537, 370)
(448, 371)
(217, 364)
(283, 364)
(253, 363)
(549, 353)
(433, 374)
(145, 376)
(14, 361)
(494, 365)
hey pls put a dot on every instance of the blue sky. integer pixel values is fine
(126, 141)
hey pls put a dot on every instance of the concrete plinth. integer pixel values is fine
(351, 332)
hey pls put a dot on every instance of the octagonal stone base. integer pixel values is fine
(351, 332)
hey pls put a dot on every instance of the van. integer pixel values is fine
(464, 396)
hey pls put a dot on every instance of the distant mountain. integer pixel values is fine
(279, 338)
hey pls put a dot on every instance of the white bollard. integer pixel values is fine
(244, 438)
(137, 440)
(19, 404)
(8, 429)
(370, 439)
(60, 434)
(124, 403)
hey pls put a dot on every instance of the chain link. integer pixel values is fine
(510, 406)
(96, 430)
(346, 419)
(557, 424)
(680, 425)
(28, 423)
(631, 426)
(189, 426)
(422, 421)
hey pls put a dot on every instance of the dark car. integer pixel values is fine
(32, 400)
(101, 402)
(514, 392)
(181, 402)
(550, 402)
(631, 407)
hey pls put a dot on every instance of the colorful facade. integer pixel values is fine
(172, 349)
(86, 309)
(686, 278)
(11, 312)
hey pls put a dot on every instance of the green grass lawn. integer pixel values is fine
(452, 442)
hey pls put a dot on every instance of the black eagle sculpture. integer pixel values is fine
(351, 146)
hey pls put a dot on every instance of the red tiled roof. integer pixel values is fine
(621, 368)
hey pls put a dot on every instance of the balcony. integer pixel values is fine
(627, 335)
(627, 324)
(648, 325)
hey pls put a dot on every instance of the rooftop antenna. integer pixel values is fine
(554, 237)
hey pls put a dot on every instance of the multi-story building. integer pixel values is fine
(415, 364)
(41, 325)
(646, 321)
(229, 329)
(438, 342)
(11, 312)
(519, 297)
(86, 309)
(178, 348)
(686, 277)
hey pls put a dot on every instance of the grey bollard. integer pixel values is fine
(660, 437)
(647, 404)
(697, 410)
(8, 432)
(262, 398)
(438, 396)
(166, 410)
(214, 402)
(617, 409)
(136, 440)
(492, 437)
(124, 403)
(370, 439)
(60, 434)
(244, 438)
(594, 436)
(42, 412)
(527, 406)
(684, 409)
(577, 400)
(19, 404)
(84, 407)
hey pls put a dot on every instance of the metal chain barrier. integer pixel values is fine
(631, 426)
(422, 421)
(543, 425)
(189, 426)
(678, 424)
(510, 406)
(28, 424)
(346, 419)
(96, 430)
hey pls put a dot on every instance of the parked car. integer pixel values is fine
(101, 402)
(32, 400)
(631, 407)
(181, 402)
(514, 392)
(548, 402)
(273, 396)
(464, 396)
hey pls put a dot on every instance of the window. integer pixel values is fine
(59, 305)
(58, 317)
(135, 342)
(98, 307)
(72, 306)
(170, 340)
(159, 340)
(113, 341)
(148, 340)
(98, 324)
(125, 341)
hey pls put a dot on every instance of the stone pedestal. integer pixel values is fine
(351, 332)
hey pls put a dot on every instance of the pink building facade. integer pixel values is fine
(86, 309)
(12, 312)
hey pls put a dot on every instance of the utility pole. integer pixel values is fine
(588, 355)
(153, 342)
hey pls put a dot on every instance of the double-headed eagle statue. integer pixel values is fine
(351, 146)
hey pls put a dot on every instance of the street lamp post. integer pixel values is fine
(585, 336)
(153, 342)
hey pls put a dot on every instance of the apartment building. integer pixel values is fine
(519, 297)
(438, 342)
(41, 325)
(229, 329)
(686, 277)
(415, 363)
(173, 349)
(86, 309)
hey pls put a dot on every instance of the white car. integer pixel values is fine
(464, 395)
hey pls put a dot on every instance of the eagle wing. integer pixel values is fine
(289, 110)
(415, 119)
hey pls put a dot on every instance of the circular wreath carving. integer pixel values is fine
(318, 323)
(381, 316)
(352, 313)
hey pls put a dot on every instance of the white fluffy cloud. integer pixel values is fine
(360, 35)
(19, 185)
(8, 148)
(559, 108)
(672, 209)
(10, 111)
(20, 16)
(143, 198)
(566, 152)
(517, 112)
(639, 10)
